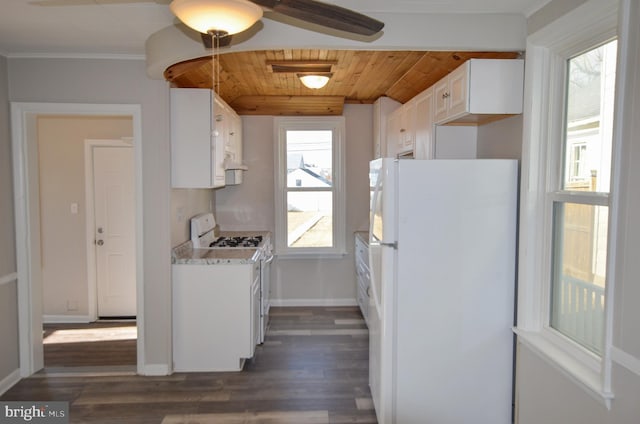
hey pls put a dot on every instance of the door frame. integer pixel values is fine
(92, 275)
(27, 220)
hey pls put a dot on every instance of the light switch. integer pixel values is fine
(74, 208)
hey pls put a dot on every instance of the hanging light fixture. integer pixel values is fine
(220, 17)
(314, 81)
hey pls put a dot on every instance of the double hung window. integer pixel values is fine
(566, 230)
(580, 201)
(310, 211)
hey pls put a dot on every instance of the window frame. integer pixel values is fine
(336, 124)
(548, 51)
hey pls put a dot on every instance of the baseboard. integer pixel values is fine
(156, 370)
(313, 302)
(65, 319)
(9, 381)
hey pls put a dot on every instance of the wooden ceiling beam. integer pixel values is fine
(288, 105)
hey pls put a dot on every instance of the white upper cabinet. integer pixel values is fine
(401, 130)
(480, 91)
(424, 136)
(229, 127)
(197, 145)
(382, 108)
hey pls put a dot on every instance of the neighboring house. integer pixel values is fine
(306, 177)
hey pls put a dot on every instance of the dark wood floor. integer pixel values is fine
(90, 345)
(312, 368)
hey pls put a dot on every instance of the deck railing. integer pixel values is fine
(581, 312)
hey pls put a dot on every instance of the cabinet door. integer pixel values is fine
(255, 311)
(424, 125)
(382, 108)
(191, 138)
(458, 90)
(393, 134)
(407, 127)
(441, 101)
(218, 144)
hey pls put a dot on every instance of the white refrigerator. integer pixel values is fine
(442, 257)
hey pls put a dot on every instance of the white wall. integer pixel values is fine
(185, 203)
(121, 82)
(501, 139)
(9, 361)
(61, 149)
(545, 395)
(251, 206)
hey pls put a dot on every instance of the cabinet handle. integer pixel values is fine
(445, 95)
(402, 130)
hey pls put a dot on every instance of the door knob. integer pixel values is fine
(100, 242)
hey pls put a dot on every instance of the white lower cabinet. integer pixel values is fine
(216, 315)
(255, 309)
(363, 278)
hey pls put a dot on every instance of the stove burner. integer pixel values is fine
(239, 241)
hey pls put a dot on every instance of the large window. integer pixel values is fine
(568, 195)
(309, 189)
(580, 203)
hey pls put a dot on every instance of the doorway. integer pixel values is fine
(28, 248)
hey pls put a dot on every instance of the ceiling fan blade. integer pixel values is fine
(207, 40)
(324, 14)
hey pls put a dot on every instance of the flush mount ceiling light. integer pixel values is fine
(217, 17)
(314, 81)
(313, 73)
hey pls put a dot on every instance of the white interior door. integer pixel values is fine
(114, 208)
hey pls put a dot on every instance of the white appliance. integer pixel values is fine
(442, 258)
(205, 236)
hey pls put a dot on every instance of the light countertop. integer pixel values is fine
(185, 253)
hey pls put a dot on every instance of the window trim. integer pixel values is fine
(590, 24)
(337, 125)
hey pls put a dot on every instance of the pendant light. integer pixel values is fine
(220, 16)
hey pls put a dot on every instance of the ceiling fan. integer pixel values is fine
(219, 19)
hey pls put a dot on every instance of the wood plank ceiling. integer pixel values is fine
(247, 82)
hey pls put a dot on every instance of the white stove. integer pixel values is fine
(204, 235)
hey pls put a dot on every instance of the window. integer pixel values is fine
(580, 202)
(565, 230)
(309, 191)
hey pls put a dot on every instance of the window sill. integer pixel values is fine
(560, 358)
(311, 255)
